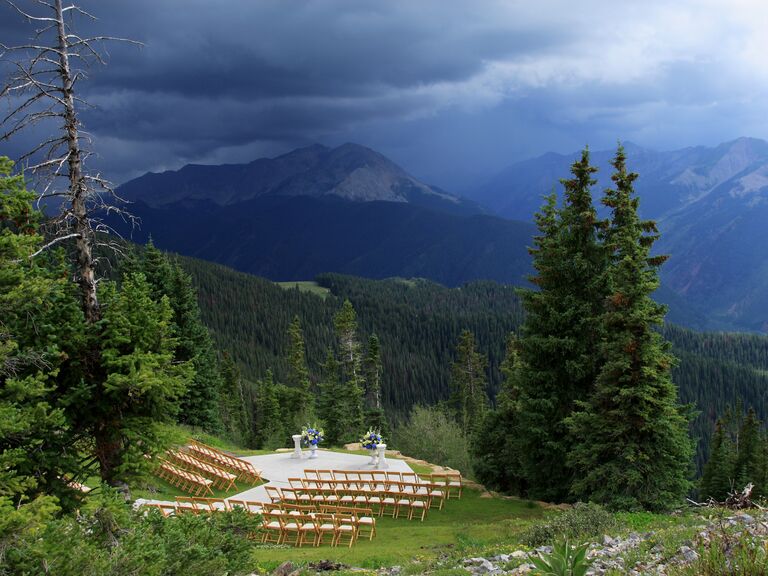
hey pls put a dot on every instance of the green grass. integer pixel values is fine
(464, 527)
(306, 286)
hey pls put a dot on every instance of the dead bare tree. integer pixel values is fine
(41, 88)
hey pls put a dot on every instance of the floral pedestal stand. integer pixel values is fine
(312, 451)
(296, 446)
(382, 463)
(374, 457)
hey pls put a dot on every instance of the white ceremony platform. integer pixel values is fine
(277, 468)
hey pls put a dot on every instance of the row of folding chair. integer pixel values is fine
(243, 469)
(343, 488)
(280, 528)
(183, 479)
(451, 480)
(362, 518)
(221, 478)
(384, 503)
(197, 505)
(377, 475)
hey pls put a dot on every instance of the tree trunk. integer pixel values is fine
(77, 185)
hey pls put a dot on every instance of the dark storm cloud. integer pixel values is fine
(450, 88)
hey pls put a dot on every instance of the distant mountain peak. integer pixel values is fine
(350, 171)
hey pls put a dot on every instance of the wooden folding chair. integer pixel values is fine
(326, 526)
(453, 483)
(272, 528)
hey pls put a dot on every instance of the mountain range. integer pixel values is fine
(352, 210)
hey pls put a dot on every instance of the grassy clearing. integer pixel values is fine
(306, 286)
(462, 528)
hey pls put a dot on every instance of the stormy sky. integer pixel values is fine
(453, 90)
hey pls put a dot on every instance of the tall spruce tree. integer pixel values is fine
(268, 428)
(494, 451)
(559, 359)
(298, 374)
(632, 447)
(372, 368)
(469, 399)
(200, 404)
(232, 407)
(40, 321)
(717, 477)
(327, 407)
(747, 465)
(349, 397)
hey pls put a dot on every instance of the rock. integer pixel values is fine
(284, 569)
(688, 554)
(746, 518)
(485, 567)
(544, 549)
(519, 554)
(607, 540)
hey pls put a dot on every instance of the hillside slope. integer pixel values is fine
(418, 323)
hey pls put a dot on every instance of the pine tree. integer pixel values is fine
(233, 412)
(494, 451)
(199, 407)
(468, 384)
(328, 408)
(200, 404)
(372, 368)
(267, 422)
(349, 398)
(298, 374)
(633, 450)
(747, 465)
(143, 385)
(39, 320)
(716, 480)
(561, 334)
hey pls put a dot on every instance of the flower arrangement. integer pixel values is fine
(311, 436)
(371, 439)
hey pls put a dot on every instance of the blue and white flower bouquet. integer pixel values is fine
(371, 439)
(311, 436)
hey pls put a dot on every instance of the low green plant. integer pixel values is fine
(564, 560)
(580, 522)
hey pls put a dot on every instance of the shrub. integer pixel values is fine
(431, 435)
(580, 522)
(111, 539)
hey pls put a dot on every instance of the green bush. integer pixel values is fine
(580, 522)
(110, 539)
(432, 436)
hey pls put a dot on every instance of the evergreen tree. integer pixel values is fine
(349, 398)
(233, 412)
(200, 404)
(268, 426)
(716, 481)
(468, 382)
(328, 408)
(561, 334)
(372, 368)
(495, 458)
(199, 407)
(40, 321)
(748, 455)
(142, 384)
(298, 374)
(633, 449)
